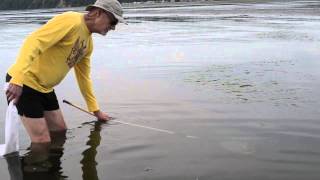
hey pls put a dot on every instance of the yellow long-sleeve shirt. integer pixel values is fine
(50, 52)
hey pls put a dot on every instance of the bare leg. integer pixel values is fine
(58, 138)
(37, 129)
(40, 140)
(55, 120)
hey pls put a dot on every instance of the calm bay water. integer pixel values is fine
(241, 77)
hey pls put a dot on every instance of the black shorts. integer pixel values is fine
(33, 103)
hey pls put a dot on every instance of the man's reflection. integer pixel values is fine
(88, 161)
(41, 162)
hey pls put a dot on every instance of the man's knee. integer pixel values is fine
(37, 129)
(41, 137)
(55, 120)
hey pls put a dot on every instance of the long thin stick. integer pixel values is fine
(130, 124)
(83, 110)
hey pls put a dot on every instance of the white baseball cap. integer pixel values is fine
(112, 6)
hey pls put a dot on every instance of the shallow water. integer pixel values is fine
(241, 78)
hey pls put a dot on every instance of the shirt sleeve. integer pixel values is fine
(82, 72)
(39, 41)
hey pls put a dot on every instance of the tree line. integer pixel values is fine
(35, 4)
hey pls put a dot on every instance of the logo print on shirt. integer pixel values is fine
(76, 53)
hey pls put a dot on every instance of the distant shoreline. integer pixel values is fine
(150, 4)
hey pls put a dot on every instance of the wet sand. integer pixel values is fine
(241, 77)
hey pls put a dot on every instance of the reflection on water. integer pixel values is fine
(88, 161)
(43, 161)
(14, 166)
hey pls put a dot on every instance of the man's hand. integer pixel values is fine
(102, 116)
(13, 93)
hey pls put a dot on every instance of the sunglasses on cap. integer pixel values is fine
(113, 21)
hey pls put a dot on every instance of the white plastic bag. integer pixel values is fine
(12, 123)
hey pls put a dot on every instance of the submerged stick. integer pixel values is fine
(127, 123)
(130, 124)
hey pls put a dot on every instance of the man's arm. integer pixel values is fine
(82, 72)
